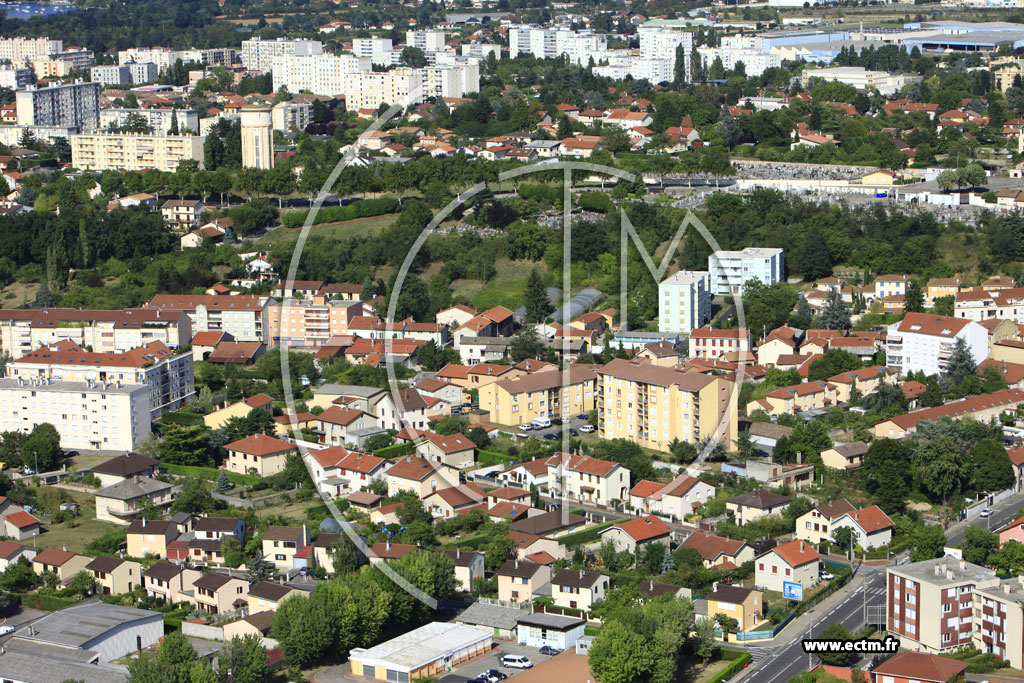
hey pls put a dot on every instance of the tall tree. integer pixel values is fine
(961, 362)
(914, 298)
(835, 315)
(535, 298)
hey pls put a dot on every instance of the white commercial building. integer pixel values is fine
(430, 650)
(159, 121)
(260, 54)
(548, 43)
(428, 41)
(886, 83)
(89, 415)
(74, 104)
(98, 631)
(684, 301)
(730, 270)
(924, 342)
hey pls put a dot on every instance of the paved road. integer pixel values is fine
(1002, 513)
(779, 663)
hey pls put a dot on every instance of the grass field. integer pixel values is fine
(84, 461)
(359, 227)
(17, 293)
(505, 289)
(74, 539)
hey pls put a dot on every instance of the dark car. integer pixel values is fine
(556, 420)
(583, 416)
(573, 432)
(551, 437)
(548, 650)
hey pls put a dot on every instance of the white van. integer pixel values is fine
(516, 662)
(541, 423)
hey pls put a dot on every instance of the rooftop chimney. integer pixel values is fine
(581, 573)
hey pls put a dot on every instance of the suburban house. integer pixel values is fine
(65, 564)
(115, 575)
(815, 525)
(345, 426)
(216, 528)
(586, 479)
(280, 543)
(918, 667)
(267, 595)
(553, 524)
(676, 499)
(452, 450)
(526, 474)
(632, 534)
(448, 502)
(745, 605)
(419, 475)
(121, 502)
(123, 467)
(717, 551)
(747, 507)
(529, 544)
(12, 552)
(845, 456)
(469, 566)
(793, 562)
(578, 589)
(217, 593)
(338, 471)
(258, 454)
(871, 527)
(518, 580)
(150, 537)
(170, 582)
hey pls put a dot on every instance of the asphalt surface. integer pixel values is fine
(573, 423)
(1003, 513)
(779, 663)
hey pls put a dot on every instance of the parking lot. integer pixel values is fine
(572, 423)
(473, 669)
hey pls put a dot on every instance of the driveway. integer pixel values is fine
(574, 423)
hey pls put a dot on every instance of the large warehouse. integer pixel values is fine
(430, 650)
(102, 632)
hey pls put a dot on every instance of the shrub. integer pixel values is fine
(332, 214)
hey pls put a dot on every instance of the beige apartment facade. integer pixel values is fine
(522, 399)
(651, 405)
(134, 152)
(23, 331)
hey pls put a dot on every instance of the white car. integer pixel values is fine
(825, 576)
(516, 662)
(987, 512)
(586, 429)
(6, 630)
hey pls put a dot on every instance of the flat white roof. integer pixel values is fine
(685, 277)
(419, 647)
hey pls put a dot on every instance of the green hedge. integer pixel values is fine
(586, 536)
(395, 451)
(741, 660)
(209, 474)
(333, 214)
(181, 418)
(488, 457)
(49, 603)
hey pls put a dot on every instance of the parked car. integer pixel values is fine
(526, 427)
(586, 429)
(987, 512)
(516, 662)
(495, 675)
(825, 576)
(551, 436)
(556, 421)
(548, 650)
(582, 416)
(6, 630)
(573, 432)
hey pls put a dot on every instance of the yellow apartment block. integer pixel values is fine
(652, 405)
(521, 399)
(133, 152)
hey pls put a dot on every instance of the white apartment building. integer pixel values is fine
(132, 152)
(142, 72)
(288, 115)
(480, 50)
(159, 120)
(74, 104)
(863, 79)
(428, 41)
(755, 62)
(88, 415)
(979, 305)
(61, 64)
(161, 56)
(19, 51)
(548, 43)
(730, 270)
(168, 376)
(110, 74)
(21, 331)
(619, 64)
(259, 55)
(320, 74)
(922, 341)
(684, 301)
(377, 50)
(14, 77)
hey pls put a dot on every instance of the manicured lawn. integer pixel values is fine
(359, 227)
(85, 461)
(693, 669)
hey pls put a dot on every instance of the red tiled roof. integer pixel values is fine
(644, 529)
(920, 666)
(796, 553)
(260, 445)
